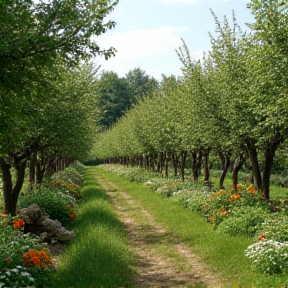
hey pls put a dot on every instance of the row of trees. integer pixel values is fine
(46, 86)
(233, 102)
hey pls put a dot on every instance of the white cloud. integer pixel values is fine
(148, 49)
(143, 42)
(179, 1)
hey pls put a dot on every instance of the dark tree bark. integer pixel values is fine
(183, 162)
(32, 170)
(196, 164)
(236, 168)
(206, 166)
(255, 165)
(175, 160)
(11, 193)
(225, 164)
(269, 157)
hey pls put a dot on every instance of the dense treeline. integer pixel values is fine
(232, 103)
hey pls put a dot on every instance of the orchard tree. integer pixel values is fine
(268, 80)
(35, 37)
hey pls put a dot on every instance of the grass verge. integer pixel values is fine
(99, 255)
(223, 254)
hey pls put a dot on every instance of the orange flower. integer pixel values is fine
(234, 196)
(8, 259)
(72, 216)
(223, 212)
(251, 189)
(219, 193)
(56, 183)
(238, 187)
(18, 223)
(38, 259)
(211, 219)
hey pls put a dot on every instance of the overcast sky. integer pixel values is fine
(147, 32)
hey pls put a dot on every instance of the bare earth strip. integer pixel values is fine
(163, 260)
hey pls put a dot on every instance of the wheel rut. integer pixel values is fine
(163, 260)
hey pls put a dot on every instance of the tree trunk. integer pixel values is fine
(225, 164)
(175, 160)
(166, 160)
(7, 186)
(183, 161)
(269, 157)
(32, 170)
(206, 166)
(236, 168)
(196, 164)
(255, 166)
(11, 193)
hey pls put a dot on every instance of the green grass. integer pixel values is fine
(99, 255)
(223, 254)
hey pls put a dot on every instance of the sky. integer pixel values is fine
(148, 32)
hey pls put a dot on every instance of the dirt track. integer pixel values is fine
(163, 260)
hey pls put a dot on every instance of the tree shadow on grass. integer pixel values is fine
(98, 256)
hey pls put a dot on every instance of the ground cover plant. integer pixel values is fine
(241, 218)
(25, 260)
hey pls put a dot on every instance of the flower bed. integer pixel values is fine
(25, 260)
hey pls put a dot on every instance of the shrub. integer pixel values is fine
(243, 221)
(55, 204)
(275, 228)
(269, 256)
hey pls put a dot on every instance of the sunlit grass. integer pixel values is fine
(99, 256)
(224, 254)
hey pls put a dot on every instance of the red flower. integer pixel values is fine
(8, 259)
(261, 237)
(18, 223)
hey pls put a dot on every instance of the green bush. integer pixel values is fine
(243, 221)
(274, 228)
(55, 204)
(69, 175)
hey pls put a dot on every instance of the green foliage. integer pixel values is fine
(113, 98)
(243, 221)
(69, 175)
(52, 202)
(275, 228)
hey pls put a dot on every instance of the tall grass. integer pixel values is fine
(224, 254)
(99, 255)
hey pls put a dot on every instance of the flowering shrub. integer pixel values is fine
(269, 256)
(72, 189)
(69, 175)
(38, 259)
(243, 221)
(14, 245)
(274, 228)
(17, 277)
(52, 202)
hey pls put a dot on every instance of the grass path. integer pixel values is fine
(163, 260)
(127, 236)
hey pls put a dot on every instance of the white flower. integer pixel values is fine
(25, 274)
